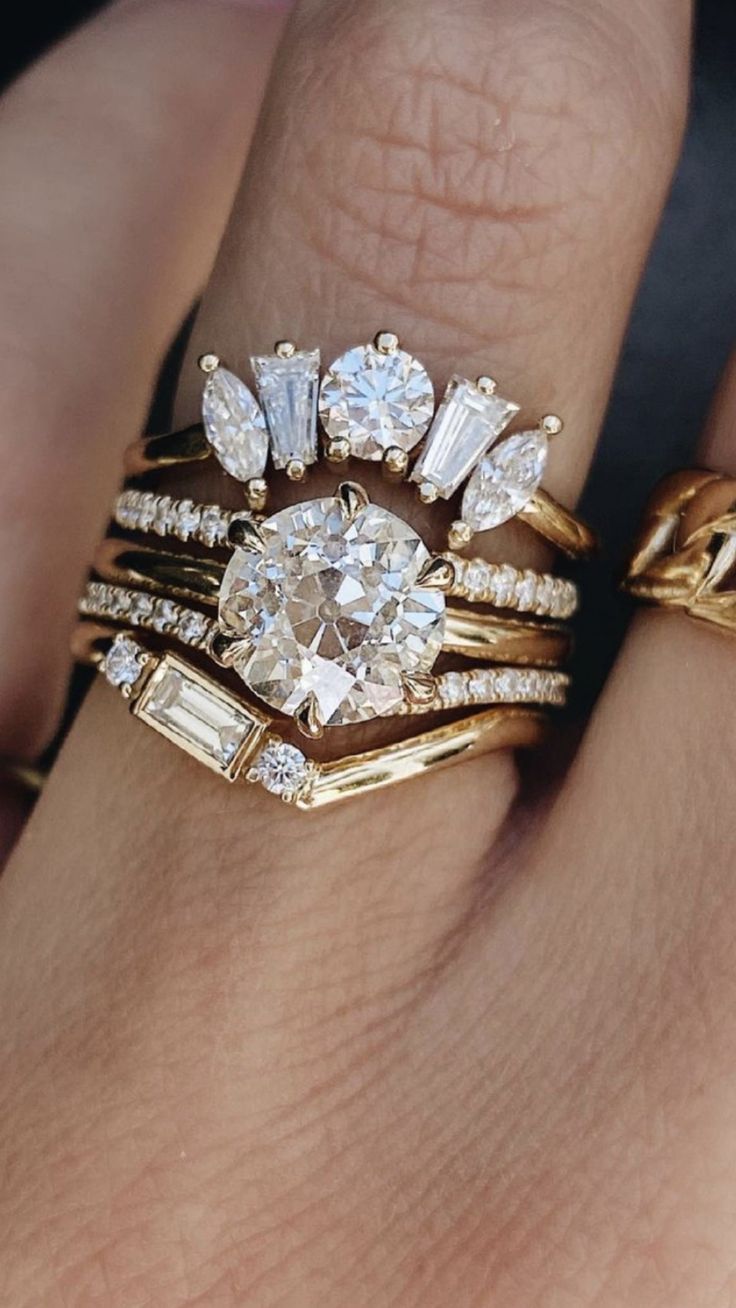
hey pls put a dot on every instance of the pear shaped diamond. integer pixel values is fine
(234, 425)
(505, 480)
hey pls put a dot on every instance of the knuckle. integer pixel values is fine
(458, 152)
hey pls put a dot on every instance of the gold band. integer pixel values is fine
(234, 740)
(551, 520)
(685, 550)
(479, 582)
(483, 636)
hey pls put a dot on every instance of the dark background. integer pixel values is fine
(682, 326)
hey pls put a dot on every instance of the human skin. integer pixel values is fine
(458, 1044)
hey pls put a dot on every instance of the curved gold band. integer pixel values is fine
(556, 524)
(324, 783)
(467, 633)
(685, 552)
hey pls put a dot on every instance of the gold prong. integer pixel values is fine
(337, 450)
(437, 574)
(307, 718)
(285, 349)
(460, 534)
(353, 498)
(208, 362)
(428, 493)
(386, 342)
(256, 494)
(419, 687)
(296, 470)
(486, 385)
(245, 534)
(223, 648)
(551, 425)
(395, 463)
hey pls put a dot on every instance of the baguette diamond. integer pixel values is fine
(467, 422)
(288, 386)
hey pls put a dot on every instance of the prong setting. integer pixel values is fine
(386, 342)
(437, 574)
(307, 718)
(419, 687)
(353, 497)
(395, 463)
(245, 534)
(551, 424)
(208, 363)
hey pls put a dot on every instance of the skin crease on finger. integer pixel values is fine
(251, 1062)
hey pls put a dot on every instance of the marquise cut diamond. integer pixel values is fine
(234, 425)
(376, 400)
(505, 480)
(332, 609)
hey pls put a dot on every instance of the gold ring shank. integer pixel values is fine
(324, 784)
(684, 556)
(467, 633)
(156, 453)
(559, 526)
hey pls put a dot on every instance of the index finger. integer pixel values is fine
(120, 153)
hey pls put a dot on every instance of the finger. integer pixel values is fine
(484, 182)
(661, 738)
(120, 154)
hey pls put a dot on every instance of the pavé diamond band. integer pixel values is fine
(498, 584)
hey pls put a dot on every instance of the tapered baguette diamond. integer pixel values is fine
(288, 387)
(467, 422)
(505, 480)
(234, 425)
(376, 400)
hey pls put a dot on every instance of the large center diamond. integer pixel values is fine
(331, 608)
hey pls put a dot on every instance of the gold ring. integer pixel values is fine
(685, 551)
(236, 741)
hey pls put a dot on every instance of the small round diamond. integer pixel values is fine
(141, 609)
(187, 519)
(377, 401)
(331, 608)
(165, 615)
(123, 662)
(281, 768)
(193, 627)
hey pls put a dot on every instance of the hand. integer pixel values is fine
(455, 1045)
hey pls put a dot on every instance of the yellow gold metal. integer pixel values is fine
(685, 552)
(428, 492)
(386, 342)
(438, 574)
(208, 362)
(395, 463)
(559, 526)
(245, 534)
(506, 640)
(473, 634)
(296, 470)
(337, 450)
(285, 349)
(256, 494)
(353, 497)
(486, 385)
(168, 451)
(23, 774)
(471, 737)
(459, 535)
(419, 687)
(223, 649)
(551, 425)
(308, 720)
